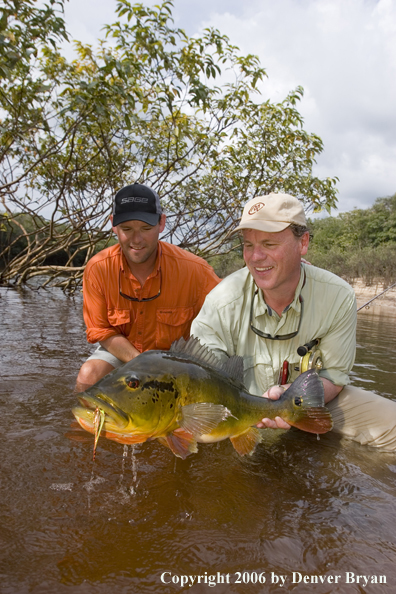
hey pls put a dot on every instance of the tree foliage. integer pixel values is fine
(358, 244)
(150, 104)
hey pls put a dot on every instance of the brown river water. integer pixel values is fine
(301, 515)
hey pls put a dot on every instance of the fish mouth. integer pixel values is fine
(115, 418)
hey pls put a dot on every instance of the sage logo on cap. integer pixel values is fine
(133, 199)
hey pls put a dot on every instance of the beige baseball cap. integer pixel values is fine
(272, 213)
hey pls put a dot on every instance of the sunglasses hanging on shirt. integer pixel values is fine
(136, 298)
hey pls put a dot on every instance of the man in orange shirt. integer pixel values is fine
(142, 293)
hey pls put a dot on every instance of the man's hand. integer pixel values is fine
(274, 393)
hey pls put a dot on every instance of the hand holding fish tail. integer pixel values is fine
(274, 393)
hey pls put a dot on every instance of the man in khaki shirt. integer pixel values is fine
(265, 311)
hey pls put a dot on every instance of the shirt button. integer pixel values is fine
(140, 312)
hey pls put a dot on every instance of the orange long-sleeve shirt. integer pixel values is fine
(184, 279)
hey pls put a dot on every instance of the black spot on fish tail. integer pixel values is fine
(159, 386)
(306, 391)
(308, 412)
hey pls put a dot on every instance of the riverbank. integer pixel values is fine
(365, 293)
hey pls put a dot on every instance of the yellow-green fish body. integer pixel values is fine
(185, 396)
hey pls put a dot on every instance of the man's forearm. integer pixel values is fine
(120, 347)
(330, 390)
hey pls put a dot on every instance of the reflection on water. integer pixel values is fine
(375, 364)
(298, 507)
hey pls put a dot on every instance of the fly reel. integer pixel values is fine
(310, 356)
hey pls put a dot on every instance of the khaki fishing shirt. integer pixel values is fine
(329, 313)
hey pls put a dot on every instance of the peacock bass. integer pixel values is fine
(185, 396)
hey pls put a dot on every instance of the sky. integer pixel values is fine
(342, 52)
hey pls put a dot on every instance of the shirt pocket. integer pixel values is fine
(172, 324)
(121, 320)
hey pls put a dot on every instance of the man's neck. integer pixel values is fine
(278, 304)
(280, 298)
(142, 270)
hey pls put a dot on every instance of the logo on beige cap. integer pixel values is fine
(256, 208)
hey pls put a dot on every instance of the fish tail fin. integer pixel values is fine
(315, 420)
(308, 412)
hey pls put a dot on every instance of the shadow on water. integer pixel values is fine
(137, 519)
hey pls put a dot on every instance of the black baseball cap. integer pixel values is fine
(136, 202)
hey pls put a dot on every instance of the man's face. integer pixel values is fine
(273, 259)
(139, 241)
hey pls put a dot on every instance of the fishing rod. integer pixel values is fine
(379, 295)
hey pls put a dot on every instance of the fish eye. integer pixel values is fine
(132, 382)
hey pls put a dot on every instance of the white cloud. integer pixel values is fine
(85, 19)
(343, 53)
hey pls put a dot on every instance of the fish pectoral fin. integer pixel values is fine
(246, 442)
(201, 418)
(181, 443)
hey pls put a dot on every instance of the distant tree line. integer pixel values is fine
(358, 244)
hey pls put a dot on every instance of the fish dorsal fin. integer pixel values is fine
(196, 350)
(234, 368)
(192, 347)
